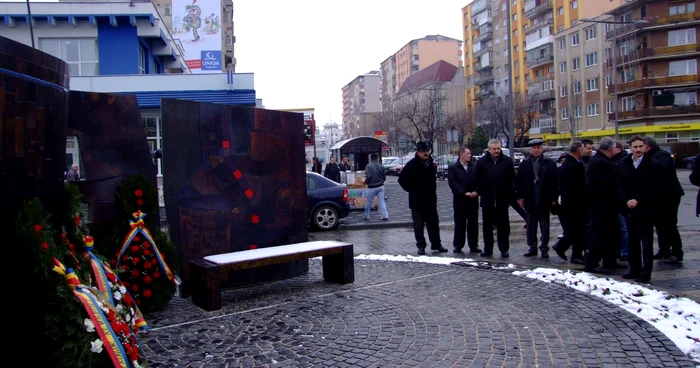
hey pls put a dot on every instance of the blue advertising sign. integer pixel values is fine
(211, 60)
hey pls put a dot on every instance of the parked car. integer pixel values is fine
(670, 152)
(388, 160)
(327, 201)
(689, 162)
(393, 164)
(396, 170)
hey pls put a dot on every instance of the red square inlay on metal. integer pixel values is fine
(226, 144)
(237, 174)
(248, 192)
(253, 246)
(255, 219)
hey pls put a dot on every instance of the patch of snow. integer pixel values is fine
(677, 318)
(421, 259)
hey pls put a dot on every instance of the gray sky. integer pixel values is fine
(303, 52)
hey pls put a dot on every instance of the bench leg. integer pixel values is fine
(204, 285)
(340, 267)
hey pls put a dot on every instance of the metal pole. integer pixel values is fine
(614, 46)
(31, 22)
(510, 101)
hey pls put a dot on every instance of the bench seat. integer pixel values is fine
(337, 258)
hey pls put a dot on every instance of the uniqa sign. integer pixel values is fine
(211, 60)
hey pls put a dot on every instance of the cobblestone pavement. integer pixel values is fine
(406, 314)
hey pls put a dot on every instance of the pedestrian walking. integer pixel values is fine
(604, 204)
(639, 180)
(418, 178)
(537, 191)
(316, 165)
(670, 193)
(573, 213)
(495, 176)
(332, 170)
(461, 177)
(375, 176)
(73, 174)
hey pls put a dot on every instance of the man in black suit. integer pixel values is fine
(574, 206)
(537, 191)
(461, 177)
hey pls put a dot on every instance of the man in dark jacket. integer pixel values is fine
(375, 176)
(623, 240)
(494, 183)
(695, 180)
(604, 204)
(574, 205)
(345, 164)
(669, 193)
(537, 191)
(461, 177)
(587, 152)
(332, 171)
(639, 177)
(418, 178)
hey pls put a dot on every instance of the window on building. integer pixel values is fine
(552, 104)
(517, 64)
(516, 48)
(574, 4)
(560, 10)
(683, 67)
(143, 62)
(517, 80)
(608, 107)
(564, 113)
(577, 112)
(681, 37)
(515, 33)
(608, 80)
(681, 9)
(592, 84)
(590, 33)
(628, 103)
(503, 7)
(168, 10)
(562, 67)
(627, 17)
(560, 29)
(576, 63)
(591, 59)
(563, 91)
(80, 54)
(671, 137)
(627, 75)
(576, 87)
(608, 52)
(515, 17)
(154, 128)
(228, 40)
(574, 23)
(562, 43)
(593, 109)
(574, 39)
(685, 98)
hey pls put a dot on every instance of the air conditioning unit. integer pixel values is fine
(656, 92)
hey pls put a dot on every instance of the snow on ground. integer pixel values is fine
(678, 318)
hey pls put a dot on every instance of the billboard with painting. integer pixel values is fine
(197, 23)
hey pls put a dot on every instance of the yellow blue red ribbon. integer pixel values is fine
(89, 297)
(138, 226)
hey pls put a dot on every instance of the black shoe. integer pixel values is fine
(545, 255)
(596, 270)
(486, 254)
(505, 255)
(674, 260)
(560, 252)
(661, 255)
(629, 276)
(474, 250)
(530, 253)
(578, 261)
(421, 251)
(440, 249)
(643, 279)
(457, 250)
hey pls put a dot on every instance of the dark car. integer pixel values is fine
(327, 201)
(689, 162)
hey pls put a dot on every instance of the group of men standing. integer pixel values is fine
(608, 203)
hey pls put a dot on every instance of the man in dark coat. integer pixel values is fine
(332, 171)
(669, 195)
(574, 204)
(639, 177)
(604, 204)
(495, 174)
(695, 180)
(537, 191)
(461, 177)
(418, 178)
(587, 152)
(623, 242)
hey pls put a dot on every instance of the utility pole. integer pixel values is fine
(510, 100)
(31, 23)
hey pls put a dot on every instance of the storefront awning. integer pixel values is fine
(359, 144)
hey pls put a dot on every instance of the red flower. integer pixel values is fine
(63, 235)
(135, 288)
(134, 273)
(147, 293)
(77, 220)
(147, 265)
(126, 283)
(156, 275)
(125, 258)
(135, 248)
(138, 192)
(113, 262)
(111, 278)
(135, 260)
(138, 302)
(146, 252)
(147, 280)
(45, 245)
(139, 202)
(136, 239)
(147, 244)
(37, 228)
(127, 298)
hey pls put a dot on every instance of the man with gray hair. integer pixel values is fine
(669, 199)
(73, 175)
(604, 205)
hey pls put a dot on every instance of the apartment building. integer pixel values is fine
(361, 101)
(657, 69)
(539, 46)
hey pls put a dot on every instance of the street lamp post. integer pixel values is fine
(640, 23)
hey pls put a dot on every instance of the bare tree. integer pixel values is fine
(526, 111)
(419, 114)
(493, 115)
(463, 122)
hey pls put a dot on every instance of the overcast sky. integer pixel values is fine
(303, 52)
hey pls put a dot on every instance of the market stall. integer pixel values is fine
(358, 151)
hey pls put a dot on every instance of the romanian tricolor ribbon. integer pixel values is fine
(90, 298)
(138, 226)
(102, 273)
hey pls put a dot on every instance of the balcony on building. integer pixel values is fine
(540, 56)
(534, 8)
(544, 124)
(690, 80)
(480, 49)
(486, 93)
(655, 53)
(631, 13)
(539, 37)
(542, 78)
(541, 91)
(479, 6)
(485, 34)
(661, 104)
(483, 78)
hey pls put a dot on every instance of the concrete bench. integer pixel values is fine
(338, 266)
